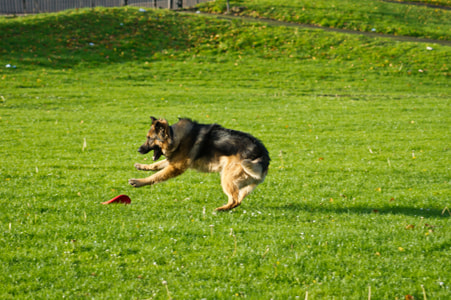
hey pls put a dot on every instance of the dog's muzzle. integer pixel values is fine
(156, 151)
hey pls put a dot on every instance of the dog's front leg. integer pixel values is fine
(152, 167)
(167, 173)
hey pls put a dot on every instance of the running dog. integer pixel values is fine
(241, 158)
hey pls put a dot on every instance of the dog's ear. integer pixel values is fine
(162, 129)
(153, 119)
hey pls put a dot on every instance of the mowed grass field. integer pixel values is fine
(356, 204)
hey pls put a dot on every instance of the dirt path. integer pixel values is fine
(288, 24)
(419, 4)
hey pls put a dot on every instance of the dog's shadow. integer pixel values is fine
(425, 212)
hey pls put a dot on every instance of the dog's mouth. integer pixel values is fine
(144, 149)
(157, 153)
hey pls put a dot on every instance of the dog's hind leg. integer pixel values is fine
(230, 187)
(244, 191)
(244, 188)
(152, 167)
(236, 184)
(232, 193)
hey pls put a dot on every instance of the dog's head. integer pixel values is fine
(158, 138)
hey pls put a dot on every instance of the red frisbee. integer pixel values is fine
(119, 199)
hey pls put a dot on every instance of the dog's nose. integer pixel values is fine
(143, 150)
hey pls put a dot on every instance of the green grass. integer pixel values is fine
(365, 16)
(357, 187)
(445, 3)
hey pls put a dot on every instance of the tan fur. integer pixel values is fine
(239, 177)
(236, 182)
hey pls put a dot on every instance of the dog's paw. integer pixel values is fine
(223, 208)
(139, 166)
(135, 182)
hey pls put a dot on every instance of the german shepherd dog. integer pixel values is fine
(241, 159)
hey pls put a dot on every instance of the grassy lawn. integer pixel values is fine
(357, 196)
(446, 3)
(365, 15)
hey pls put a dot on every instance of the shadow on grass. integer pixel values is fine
(92, 37)
(364, 210)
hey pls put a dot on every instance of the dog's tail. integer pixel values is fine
(254, 168)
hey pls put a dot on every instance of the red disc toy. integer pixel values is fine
(119, 199)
